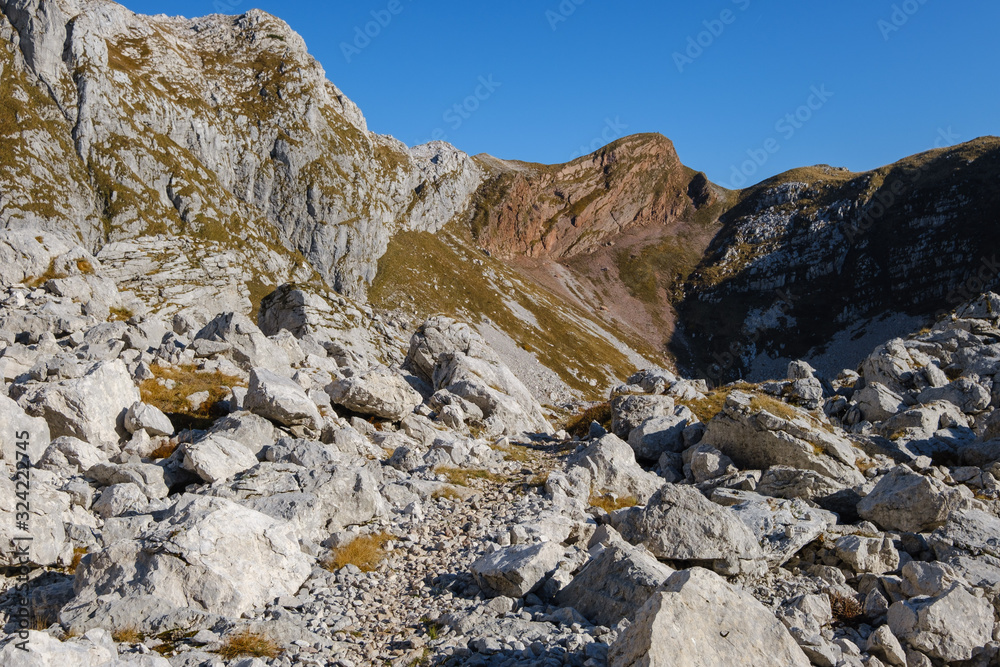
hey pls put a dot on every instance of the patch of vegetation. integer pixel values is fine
(84, 266)
(364, 552)
(259, 289)
(120, 314)
(164, 451)
(610, 503)
(188, 379)
(129, 635)
(846, 610)
(50, 274)
(538, 481)
(708, 407)
(775, 407)
(579, 426)
(514, 452)
(250, 645)
(465, 476)
(448, 492)
(664, 266)
(78, 554)
(436, 274)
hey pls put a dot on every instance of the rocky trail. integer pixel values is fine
(195, 491)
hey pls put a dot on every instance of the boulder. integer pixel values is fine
(148, 418)
(248, 346)
(517, 570)
(785, 482)
(949, 627)
(907, 501)
(967, 531)
(118, 499)
(883, 644)
(91, 408)
(782, 527)
(216, 458)
(878, 403)
(657, 435)
(379, 392)
(281, 400)
(629, 411)
(757, 434)
(149, 477)
(24, 436)
(452, 356)
(210, 554)
(698, 619)
(969, 396)
(96, 647)
(615, 583)
(252, 431)
(680, 524)
(48, 506)
(612, 469)
(868, 555)
(315, 501)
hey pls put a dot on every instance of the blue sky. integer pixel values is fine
(745, 88)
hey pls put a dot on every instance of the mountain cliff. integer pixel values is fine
(213, 155)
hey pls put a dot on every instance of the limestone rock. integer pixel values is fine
(281, 400)
(949, 627)
(753, 437)
(452, 356)
(379, 392)
(867, 554)
(615, 583)
(905, 500)
(517, 570)
(210, 554)
(91, 407)
(149, 418)
(612, 469)
(698, 619)
(680, 524)
(249, 347)
(216, 458)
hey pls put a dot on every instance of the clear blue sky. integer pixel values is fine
(569, 80)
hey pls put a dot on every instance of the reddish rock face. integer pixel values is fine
(562, 211)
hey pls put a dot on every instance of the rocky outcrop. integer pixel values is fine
(699, 619)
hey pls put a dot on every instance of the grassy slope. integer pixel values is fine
(431, 275)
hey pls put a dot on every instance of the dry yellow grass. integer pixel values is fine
(119, 314)
(164, 451)
(579, 426)
(78, 554)
(449, 492)
(463, 476)
(249, 644)
(365, 552)
(127, 636)
(517, 453)
(84, 266)
(609, 503)
(188, 380)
